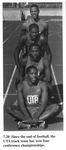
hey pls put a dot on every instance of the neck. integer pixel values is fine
(35, 61)
(31, 84)
(36, 19)
(35, 39)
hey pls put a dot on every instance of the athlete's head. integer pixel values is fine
(34, 51)
(34, 11)
(32, 74)
(34, 31)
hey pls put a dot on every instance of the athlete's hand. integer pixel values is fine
(35, 120)
(29, 120)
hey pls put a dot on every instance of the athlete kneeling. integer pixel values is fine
(33, 101)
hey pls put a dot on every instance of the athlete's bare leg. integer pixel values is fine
(51, 110)
(15, 112)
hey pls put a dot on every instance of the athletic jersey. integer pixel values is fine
(41, 23)
(39, 65)
(32, 95)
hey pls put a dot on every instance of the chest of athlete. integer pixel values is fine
(32, 95)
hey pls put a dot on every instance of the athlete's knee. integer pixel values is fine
(56, 108)
(8, 109)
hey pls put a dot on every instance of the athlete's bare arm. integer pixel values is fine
(47, 70)
(23, 61)
(44, 99)
(23, 29)
(47, 53)
(21, 101)
(46, 30)
(17, 51)
(44, 33)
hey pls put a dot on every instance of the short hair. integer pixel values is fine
(34, 44)
(31, 67)
(33, 25)
(34, 5)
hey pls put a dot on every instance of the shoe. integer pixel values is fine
(43, 125)
(21, 125)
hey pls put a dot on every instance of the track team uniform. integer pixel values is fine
(32, 97)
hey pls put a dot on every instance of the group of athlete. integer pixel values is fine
(33, 58)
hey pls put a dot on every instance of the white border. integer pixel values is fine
(59, 142)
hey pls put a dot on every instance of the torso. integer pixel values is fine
(31, 94)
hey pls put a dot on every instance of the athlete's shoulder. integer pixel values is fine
(44, 23)
(42, 84)
(25, 36)
(24, 60)
(42, 38)
(25, 25)
(45, 61)
(22, 38)
(20, 86)
(27, 22)
(23, 83)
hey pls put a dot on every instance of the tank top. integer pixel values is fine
(31, 94)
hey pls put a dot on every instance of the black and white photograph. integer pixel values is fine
(33, 66)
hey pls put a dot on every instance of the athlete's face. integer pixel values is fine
(33, 75)
(34, 52)
(34, 33)
(34, 12)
